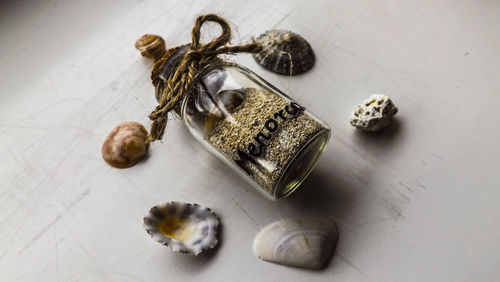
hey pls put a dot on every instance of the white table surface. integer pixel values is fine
(417, 202)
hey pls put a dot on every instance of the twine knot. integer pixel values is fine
(178, 84)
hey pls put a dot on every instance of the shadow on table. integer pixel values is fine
(324, 194)
(331, 193)
(383, 140)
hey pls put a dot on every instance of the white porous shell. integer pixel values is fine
(201, 223)
(299, 242)
(374, 113)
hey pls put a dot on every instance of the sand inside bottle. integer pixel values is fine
(277, 129)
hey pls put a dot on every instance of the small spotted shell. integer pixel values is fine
(151, 46)
(125, 145)
(284, 52)
(183, 227)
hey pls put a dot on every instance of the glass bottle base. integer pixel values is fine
(301, 165)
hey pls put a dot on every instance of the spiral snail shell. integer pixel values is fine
(151, 46)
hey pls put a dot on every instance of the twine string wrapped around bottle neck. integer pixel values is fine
(178, 84)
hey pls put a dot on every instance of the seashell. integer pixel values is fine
(228, 100)
(204, 101)
(301, 242)
(125, 145)
(223, 105)
(151, 46)
(214, 80)
(374, 114)
(183, 227)
(208, 88)
(284, 52)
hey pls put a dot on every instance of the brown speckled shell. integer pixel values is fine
(125, 145)
(284, 52)
(151, 46)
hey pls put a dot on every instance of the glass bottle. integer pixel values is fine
(253, 127)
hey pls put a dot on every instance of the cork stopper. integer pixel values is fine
(166, 64)
(151, 46)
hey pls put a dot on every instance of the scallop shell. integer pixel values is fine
(125, 144)
(374, 113)
(183, 227)
(151, 46)
(284, 52)
(300, 242)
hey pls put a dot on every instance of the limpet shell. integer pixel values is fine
(125, 144)
(374, 113)
(298, 242)
(284, 52)
(151, 46)
(183, 227)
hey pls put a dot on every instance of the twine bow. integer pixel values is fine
(178, 84)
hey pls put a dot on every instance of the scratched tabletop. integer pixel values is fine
(418, 201)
